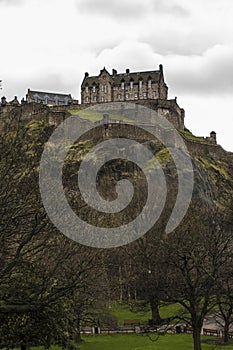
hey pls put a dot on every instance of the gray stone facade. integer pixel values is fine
(126, 86)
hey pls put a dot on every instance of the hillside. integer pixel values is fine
(212, 165)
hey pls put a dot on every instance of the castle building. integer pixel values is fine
(48, 98)
(146, 87)
(126, 86)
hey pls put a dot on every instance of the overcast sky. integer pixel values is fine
(49, 44)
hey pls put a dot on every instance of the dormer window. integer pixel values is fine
(140, 84)
(149, 84)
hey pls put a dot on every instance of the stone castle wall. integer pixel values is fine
(55, 115)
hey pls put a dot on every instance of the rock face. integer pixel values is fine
(212, 166)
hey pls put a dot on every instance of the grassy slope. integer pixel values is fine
(122, 312)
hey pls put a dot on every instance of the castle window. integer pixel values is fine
(35, 98)
(144, 94)
(136, 95)
(56, 100)
(149, 83)
(94, 88)
(140, 84)
(119, 96)
(86, 89)
(154, 94)
(131, 85)
(66, 100)
(127, 96)
(87, 99)
(46, 100)
(94, 98)
(102, 99)
(104, 88)
(122, 85)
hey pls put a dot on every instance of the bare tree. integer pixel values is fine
(196, 255)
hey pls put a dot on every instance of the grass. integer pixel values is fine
(188, 135)
(144, 342)
(213, 166)
(163, 156)
(94, 116)
(123, 312)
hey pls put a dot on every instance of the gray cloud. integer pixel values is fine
(119, 9)
(209, 74)
(169, 7)
(175, 42)
(129, 8)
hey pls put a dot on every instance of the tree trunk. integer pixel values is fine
(78, 334)
(78, 338)
(197, 338)
(226, 331)
(120, 284)
(154, 304)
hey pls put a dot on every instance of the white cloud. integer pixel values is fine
(12, 2)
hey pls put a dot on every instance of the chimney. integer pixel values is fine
(114, 72)
(86, 75)
(161, 68)
(3, 101)
(127, 71)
